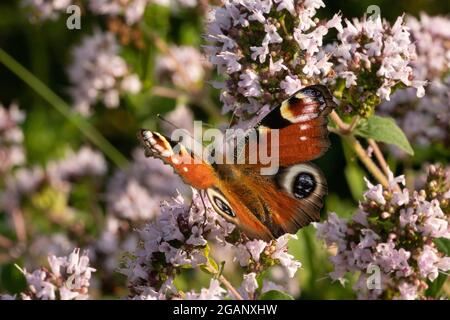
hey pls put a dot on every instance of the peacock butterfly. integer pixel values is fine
(263, 206)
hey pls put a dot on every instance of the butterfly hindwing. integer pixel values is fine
(266, 207)
(306, 184)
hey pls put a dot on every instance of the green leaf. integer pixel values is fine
(355, 178)
(260, 278)
(275, 295)
(206, 270)
(342, 206)
(221, 268)
(213, 264)
(434, 288)
(443, 245)
(385, 130)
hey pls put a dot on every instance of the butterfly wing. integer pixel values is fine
(301, 122)
(293, 197)
(192, 170)
(264, 206)
(267, 207)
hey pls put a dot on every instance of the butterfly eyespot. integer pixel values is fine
(303, 185)
(220, 203)
(223, 207)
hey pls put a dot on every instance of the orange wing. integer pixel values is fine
(302, 124)
(267, 207)
(190, 168)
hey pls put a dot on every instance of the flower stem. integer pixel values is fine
(62, 107)
(379, 156)
(227, 284)
(342, 126)
(19, 225)
(230, 287)
(5, 242)
(345, 130)
(366, 160)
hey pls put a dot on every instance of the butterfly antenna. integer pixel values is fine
(174, 125)
(204, 206)
(167, 121)
(231, 119)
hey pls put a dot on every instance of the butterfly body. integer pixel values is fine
(264, 206)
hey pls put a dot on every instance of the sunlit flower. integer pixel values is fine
(11, 138)
(46, 9)
(98, 72)
(425, 120)
(184, 66)
(370, 48)
(395, 236)
(266, 58)
(68, 279)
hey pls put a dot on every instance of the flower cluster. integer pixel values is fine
(426, 120)
(46, 9)
(133, 10)
(11, 138)
(68, 279)
(84, 162)
(372, 54)
(136, 192)
(133, 197)
(184, 66)
(181, 237)
(98, 72)
(255, 253)
(268, 49)
(176, 239)
(58, 175)
(257, 256)
(431, 35)
(394, 231)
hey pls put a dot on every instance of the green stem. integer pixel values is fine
(345, 131)
(62, 107)
(365, 159)
(312, 258)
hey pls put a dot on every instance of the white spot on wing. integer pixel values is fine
(304, 126)
(306, 117)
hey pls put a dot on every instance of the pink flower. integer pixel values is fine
(428, 263)
(286, 5)
(272, 35)
(333, 230)
(290, 85)
(276, 66)
(250, 284)
(408, 291)
(214, 292)
(260, 52)
(286, 259)
(375, 193)
(255, 247)
(249, 84)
